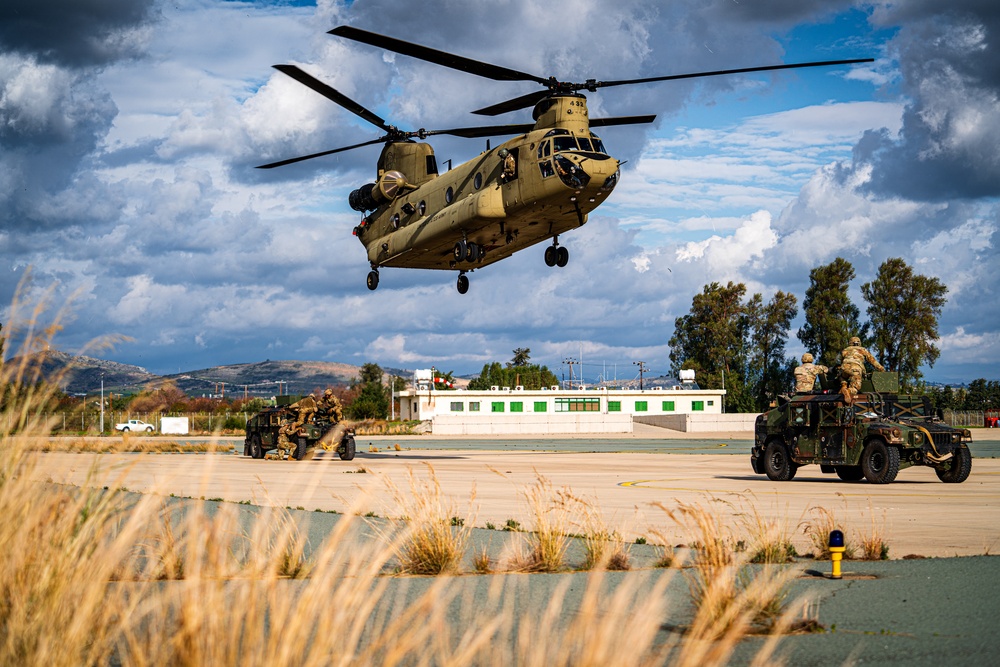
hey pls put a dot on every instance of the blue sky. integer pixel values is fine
(129, 129)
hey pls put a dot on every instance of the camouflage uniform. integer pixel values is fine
(852, 368)
(805, 375)
(330, 404)
(509, 166)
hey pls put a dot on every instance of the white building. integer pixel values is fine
(515, 410)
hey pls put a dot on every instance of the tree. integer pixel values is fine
(903, 309)
(521, 356)
(372, 401)
(711, 340)
(531, 376)
(830, 316)
(771, 372)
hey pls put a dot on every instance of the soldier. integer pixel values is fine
(805, 375)
(509, 166)
(330, 404)
(852, 368)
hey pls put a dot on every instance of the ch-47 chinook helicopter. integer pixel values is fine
(530, 189)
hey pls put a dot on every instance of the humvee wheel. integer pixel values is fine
(299, 452)
(777, 463)
(255, 448)
(850, 473)
(879, 462)
(961, 466)
(346, 449)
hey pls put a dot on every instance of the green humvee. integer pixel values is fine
(881, 433)
(262, 433)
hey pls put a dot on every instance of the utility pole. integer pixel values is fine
(642, 369)
(570, 362)
(102, 403)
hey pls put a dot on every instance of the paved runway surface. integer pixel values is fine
(920, 514)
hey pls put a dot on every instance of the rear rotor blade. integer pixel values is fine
(332, 94)
(516, 104)
(293, 160)
(485, 131)
(744, 70)
(460, 63)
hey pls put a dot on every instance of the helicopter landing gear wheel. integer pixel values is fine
(460, 250)
(472, 252)
(463, 283)
(562, 257)
(550, 255)
(372, 280)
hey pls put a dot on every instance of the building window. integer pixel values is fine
(697, 406)
(541, 406)
(641, 406)
(457, 406)
(474, 406)
(668, 406)
(497, 406)
(711, 403)
(578, 405)
(516, 406)
(614, 406)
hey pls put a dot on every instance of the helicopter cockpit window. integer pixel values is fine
(449, 194)
(584, 144)
(544, 149)
(598, 144)
(564, 144)
(545, 166)
(554, 132)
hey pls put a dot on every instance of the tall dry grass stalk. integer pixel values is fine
(434, 538)
(730, 597)
(543, 548)
(818, 529)
(874, 545)
(604, 547)
(768, 540)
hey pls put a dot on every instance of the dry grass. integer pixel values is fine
(768, 541)
(818, 529)
(729, 597)
(434, 539)
(543, 549)
(873, 543)
(604, 547)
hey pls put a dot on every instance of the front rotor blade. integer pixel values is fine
(744, 70)
(522, 102)
(332, 94)
(460, 63)
(293, 160)
(621, 120)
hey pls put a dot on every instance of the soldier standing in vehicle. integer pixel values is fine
(852, 368)
(805, 375)
(330, 404)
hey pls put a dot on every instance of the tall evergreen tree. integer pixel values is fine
(711, 339)
(772, 373)
(830, 316)
(903, 309)
(373, 401)
(521, 356)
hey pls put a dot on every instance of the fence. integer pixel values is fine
(964, 417)
(90, 421)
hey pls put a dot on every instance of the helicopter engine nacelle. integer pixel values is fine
(369, 196)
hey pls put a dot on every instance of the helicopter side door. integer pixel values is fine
(511, 184)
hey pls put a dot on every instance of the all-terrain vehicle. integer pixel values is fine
(263, 428)
(873, 438)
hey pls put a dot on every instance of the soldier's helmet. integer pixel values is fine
(328, 393)
(503, 153)
(807, 358)
(854, 341)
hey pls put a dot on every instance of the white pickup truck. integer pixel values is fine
(135, 425)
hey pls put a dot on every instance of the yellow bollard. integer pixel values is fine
(836, 552)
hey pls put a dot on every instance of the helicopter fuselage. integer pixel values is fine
(560, 173)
